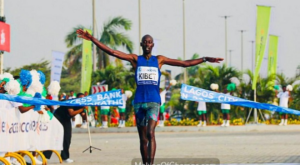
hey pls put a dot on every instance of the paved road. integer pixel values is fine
(229, 148)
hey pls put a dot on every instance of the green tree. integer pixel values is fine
(220, 75)
(110, 36)
(264, 91)
(69, 82)
(43, 66)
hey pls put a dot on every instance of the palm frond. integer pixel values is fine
(117, 22)
(72, 55)
(71, 37)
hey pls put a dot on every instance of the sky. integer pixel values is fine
(38, 27)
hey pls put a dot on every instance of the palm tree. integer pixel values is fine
(245, 90)
(220, 75)
(295, 104)
(283, 80)
(264, 90)
(113, 75)
(109, 36)
(73, 56)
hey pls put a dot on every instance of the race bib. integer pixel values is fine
(147, 75)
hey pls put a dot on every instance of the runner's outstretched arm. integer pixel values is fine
(186, 63)
(118, 54)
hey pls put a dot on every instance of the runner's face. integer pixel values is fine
(147, 44)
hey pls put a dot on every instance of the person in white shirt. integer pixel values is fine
(122, 110)
(284, 97)
(201, 109)
(104, 116)
(72, 95)
(226, 111)
(162, 105)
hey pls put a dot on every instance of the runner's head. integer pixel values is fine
(147, 44)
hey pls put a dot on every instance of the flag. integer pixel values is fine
(272, 59)
(262, 31)
(4, 37)
(86, 67)
(56, 65)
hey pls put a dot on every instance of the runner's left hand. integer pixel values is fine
(214, 60)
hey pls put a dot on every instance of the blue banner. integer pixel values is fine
(110, 98)
(191, 93)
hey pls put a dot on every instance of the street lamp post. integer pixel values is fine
(242, 50)
(2, 19)
(252, 51)
(230, 57)
(225, 17)
(253, 67)
(183, 13)
(95, 36)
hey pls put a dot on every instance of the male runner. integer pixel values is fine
(147, 76)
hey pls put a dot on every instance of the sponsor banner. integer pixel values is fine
(86, 64)
(4, 37)
(262, 32)
(26, 131)
(110, 98)
(56, 66)
(272, 60)
(191, 93)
